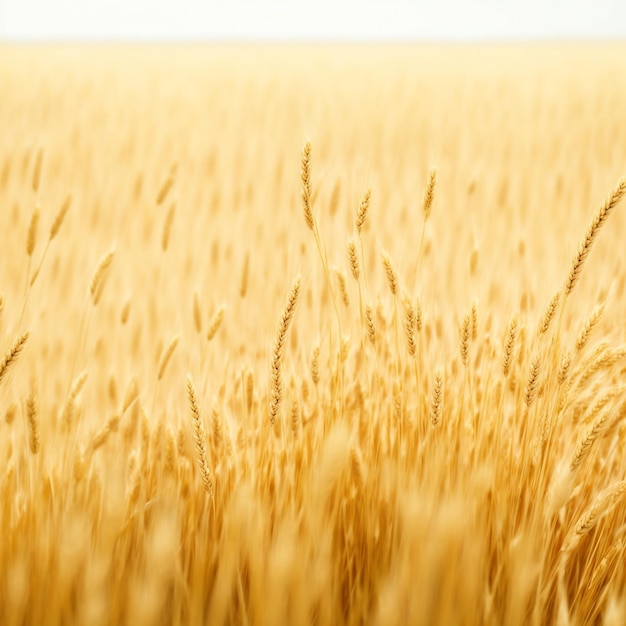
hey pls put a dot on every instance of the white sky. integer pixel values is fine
(312, 19)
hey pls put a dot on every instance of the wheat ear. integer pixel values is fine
(361, 213)
(199, 437)
(305, 175)
(279, 348)
(12, 354)
(32, 418)
(167, 355)
(99, 276)
(60, 216)
(587, 241)
(37, 170)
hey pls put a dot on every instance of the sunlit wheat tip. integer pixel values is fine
(215, 322)
(305, 175)
(37, 170)
(509, 344)
(361, 213)
(100, 275)
(167, 355)
(197, 313)
(276, 391)
(245, 270)
(409, 325)
(548, 314)
(315, 365)
(369, 323)
(60, 216)
(531, 383)
(474, 324)
(125, 313)
(167, 227)
(585, 331)
(199, 438)
(12, 354)
(390, 272)
(437, 398)
(587, 241)
(32, 418)
(429, 194)
(31, 238)
(343, 287)
(166, 186)
(354, 260)
(465, 339)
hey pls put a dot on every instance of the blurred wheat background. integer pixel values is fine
(309, 341)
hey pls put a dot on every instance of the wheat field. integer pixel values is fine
(312, 334)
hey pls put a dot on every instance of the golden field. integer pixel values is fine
(297, 334)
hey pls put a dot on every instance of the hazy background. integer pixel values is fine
(321, 19)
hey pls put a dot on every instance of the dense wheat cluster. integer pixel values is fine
(312, 335)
